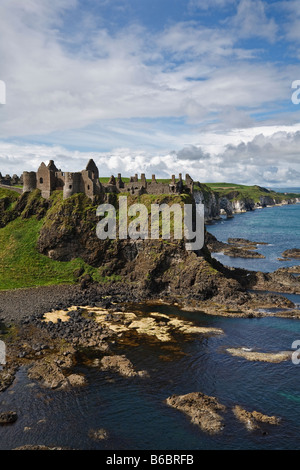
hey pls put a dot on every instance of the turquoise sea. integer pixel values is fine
(133, 410)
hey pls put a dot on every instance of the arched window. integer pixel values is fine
(41, 180)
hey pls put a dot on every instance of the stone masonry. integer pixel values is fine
(48, 179)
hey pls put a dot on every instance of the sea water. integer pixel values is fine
(133, 410)
(278, 226)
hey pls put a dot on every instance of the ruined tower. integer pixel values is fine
(29, 181)
(72, 184)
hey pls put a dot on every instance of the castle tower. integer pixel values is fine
(45, 180)
(72, 184)
(120, 183)
(29, 181)
(51, 166)
(189, 183)
(91, 166)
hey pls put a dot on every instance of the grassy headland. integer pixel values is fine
(239, 191)
(24, 218)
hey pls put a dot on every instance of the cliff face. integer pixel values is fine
(150, 266)
(203, 195)
(235, 203)
(234, 200)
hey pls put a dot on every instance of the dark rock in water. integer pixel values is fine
(8, 417)
(236, 247)
(122, 365)
(292, 253)
(202, 410)
(244, 242)
(238, 252)
(98, 434)
(252, 420)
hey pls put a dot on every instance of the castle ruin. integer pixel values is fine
(48, 179)
(8, 180)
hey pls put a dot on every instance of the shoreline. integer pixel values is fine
(19, 304)
(223, 217)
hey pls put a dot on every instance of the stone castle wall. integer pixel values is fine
(8, 180)
(48, 179)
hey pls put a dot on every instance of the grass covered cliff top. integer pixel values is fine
(22, 220)
(239, 191)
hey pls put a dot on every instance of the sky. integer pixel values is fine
(153, 86)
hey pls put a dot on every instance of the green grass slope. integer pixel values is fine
(21, 265)
(240, 191)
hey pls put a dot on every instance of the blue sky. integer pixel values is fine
(155, 86)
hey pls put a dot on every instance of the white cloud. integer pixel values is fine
(291, 28)
(186, 70)
(84, 88)
(192, 152)
(251, 20)
(269, 158)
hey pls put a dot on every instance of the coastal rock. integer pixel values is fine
(226, 206)
(121, 365)
(252, 420)
(201, 409)
(8, 417)
(242, 205)
(76, 380)
(236, 247)
(7, 376)
(98, 434)
(50, 370)
(155, 324)
(244, 242)
(292, 253)
(281, 280)
(260, 356)
(48, 374)
(237, 252)
(204, 195)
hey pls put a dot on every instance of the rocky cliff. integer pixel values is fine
(233, 199)
(236, 198)
(204, 195)
(66, 232)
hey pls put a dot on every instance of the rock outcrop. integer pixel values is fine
(258, 356)
(210, 199)
(8, 417)
(253, 420)
(292, 253)
(204, 411)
